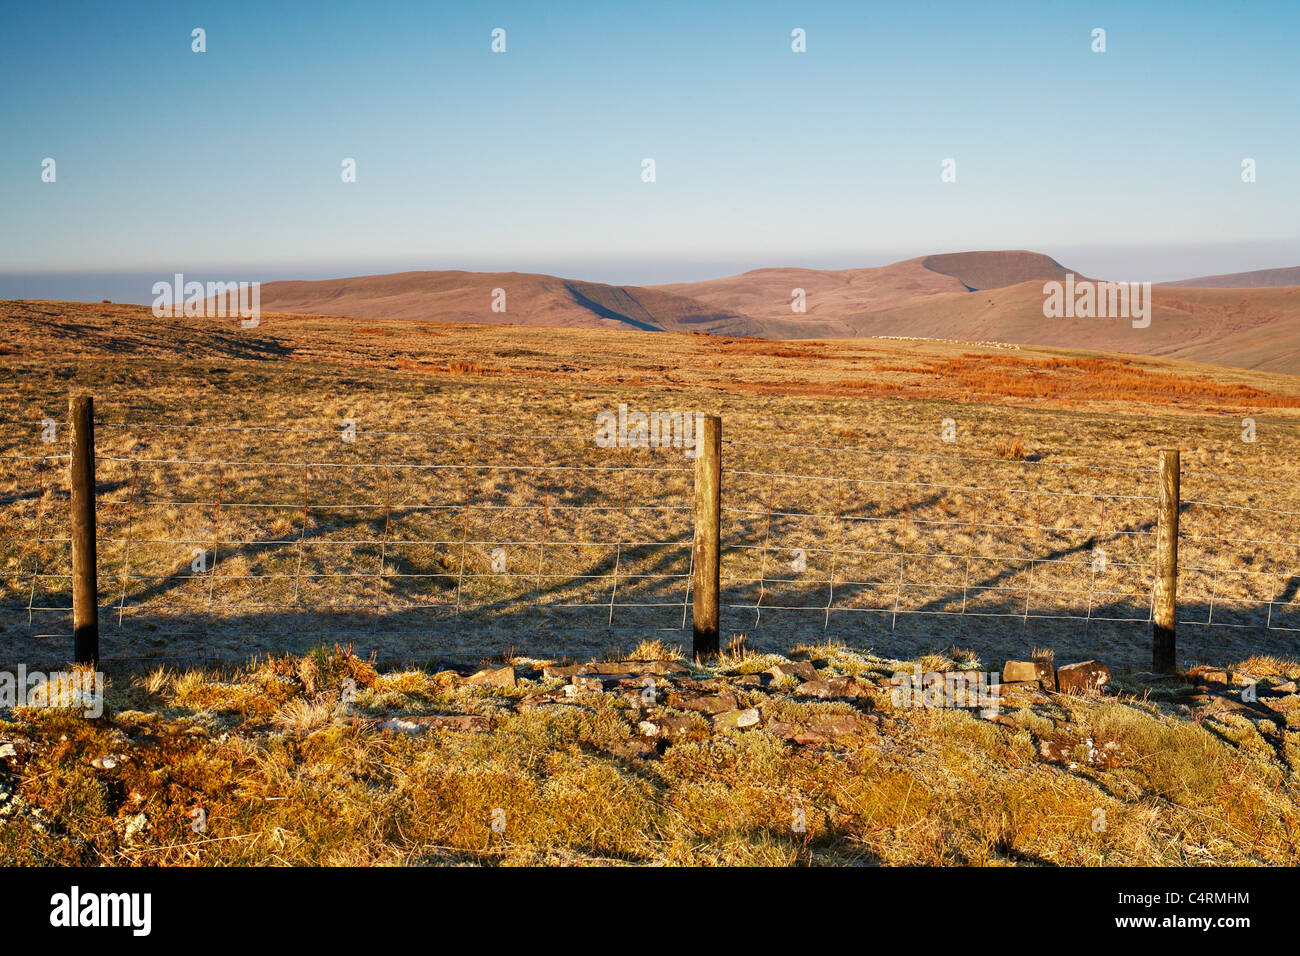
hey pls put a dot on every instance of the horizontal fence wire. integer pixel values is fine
(217, 541)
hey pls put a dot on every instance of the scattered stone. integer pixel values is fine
(1015, 672)
(751, 680)
(595, 682)
(801, 670)
(820, 729)
(716, 704)
(465, 723)
(1085, 677)
(1209, 705)
(999, 718)
(1067, 752)
(736, 719)
(782, 728)
(634, 748)
(1209, 675)
(836, 687)
(1055, 751)
(562, 671)
(638, 683)
(136, 827)
(667, 725)
(837, 725)
(501, 677)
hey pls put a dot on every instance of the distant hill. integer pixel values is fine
(1261, 278)
(530, 299)
(833, 296)
(996, 296)
(1256, 328)
(996, 270)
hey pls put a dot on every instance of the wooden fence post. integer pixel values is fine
(1165, 599)
(85, 588)
(708, 517)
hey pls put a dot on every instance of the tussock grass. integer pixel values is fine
(286, 774)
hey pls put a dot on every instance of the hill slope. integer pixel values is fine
(975, 296)
(530, 299)
(1258, 328)
(1260, 278)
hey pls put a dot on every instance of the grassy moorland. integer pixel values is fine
(473, 504)
(404, 544)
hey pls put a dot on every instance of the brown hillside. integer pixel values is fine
(926, 297)
(996, 270)
(530, 298)
(1260, 278)
(766, 293)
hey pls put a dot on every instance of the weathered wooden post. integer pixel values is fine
(708, 519)
(1165, 599)
(85, 588)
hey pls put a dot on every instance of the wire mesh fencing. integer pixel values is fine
(218, 542)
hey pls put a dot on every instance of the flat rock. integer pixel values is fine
(500, 677)
(1085, 677)
(465, 723)
(1017, 671)
(1208, 675)
(837, 725)
(800, 670)
(715, 704)
(736, 719)
(819, 729)
(995, 717)
(542, 700)
(635, 748)
(562, 671)
(1210, 705)
(782, 728)
(836, 687)
(668, 725)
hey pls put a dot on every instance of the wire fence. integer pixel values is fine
(216, 542)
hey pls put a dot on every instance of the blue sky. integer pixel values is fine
(226, 164)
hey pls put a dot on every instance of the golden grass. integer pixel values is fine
(968, 523)
(291, 777)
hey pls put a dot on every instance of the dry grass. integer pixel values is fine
(1011, 450)
(381, 561)
(1063, 378)
(284, 776)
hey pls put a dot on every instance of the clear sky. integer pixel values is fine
(226, 164)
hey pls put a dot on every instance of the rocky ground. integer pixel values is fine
(822, 756)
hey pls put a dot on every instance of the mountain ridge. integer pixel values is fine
(990, 295)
